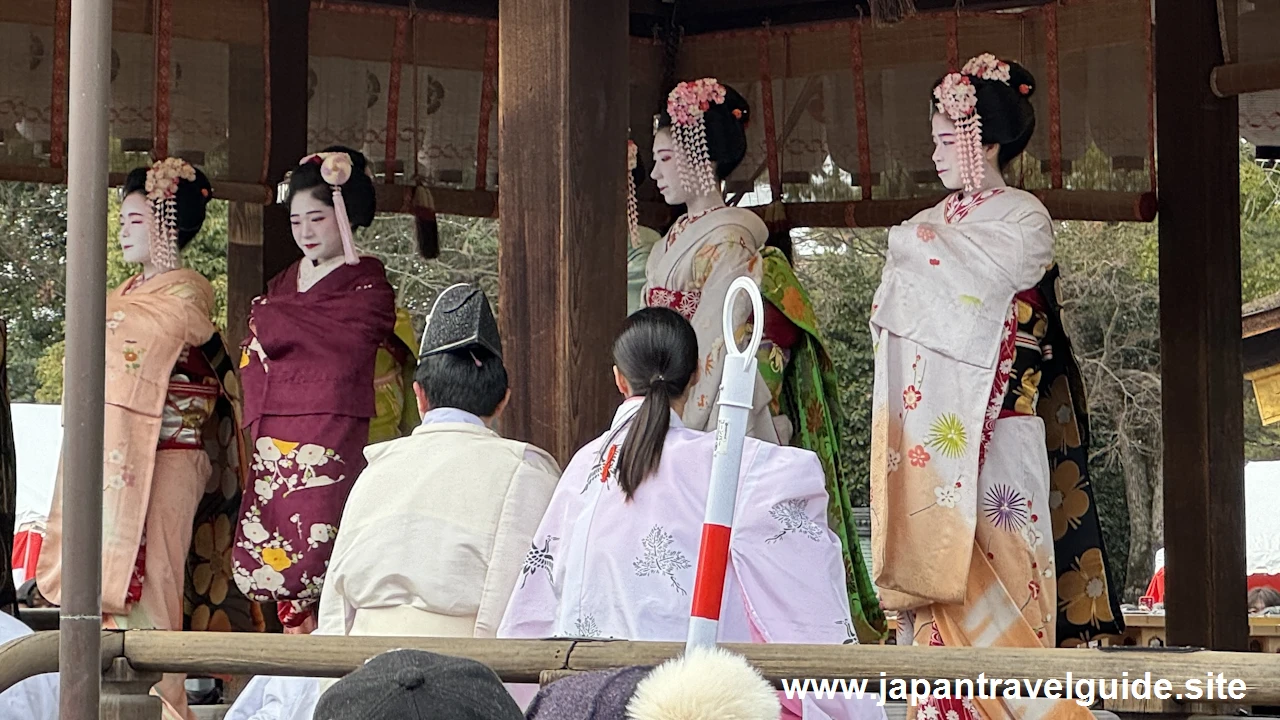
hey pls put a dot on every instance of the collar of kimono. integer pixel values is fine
(309, 273)
(451, 415)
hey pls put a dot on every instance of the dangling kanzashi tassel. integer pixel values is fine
(344, 227)
(164, 235)
(633, 208)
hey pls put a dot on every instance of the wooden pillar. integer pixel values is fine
(260, 241)
(562, 122)
(1199, 186)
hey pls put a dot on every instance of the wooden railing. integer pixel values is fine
(132, 660)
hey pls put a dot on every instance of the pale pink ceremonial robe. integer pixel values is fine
(603, 567)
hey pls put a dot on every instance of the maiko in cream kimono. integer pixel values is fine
(963, 512)
(690, 271)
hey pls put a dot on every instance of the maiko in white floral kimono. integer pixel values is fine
(602, 567)
(960, 480)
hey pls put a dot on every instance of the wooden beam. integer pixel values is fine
(289, 39)
(1260, 352)
(1231, 80)
(525, 660)
(562, 123)
(268, 127)
(1199, 186)
(1095, 205)
(724, 15)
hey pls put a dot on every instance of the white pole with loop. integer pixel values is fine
(737, 389)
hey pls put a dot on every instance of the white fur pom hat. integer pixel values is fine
(705, 684)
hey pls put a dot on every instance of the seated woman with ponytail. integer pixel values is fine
(617, 550)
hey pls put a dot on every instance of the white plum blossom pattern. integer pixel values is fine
(321, 533)
(117, 317)
(292, 466)
(284, 468)
(1033, 536)
(254, 532)
(946, 496)
(117, 474)
(793, 515)
(267, 578)
(660, 559)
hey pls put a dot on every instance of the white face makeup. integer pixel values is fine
(946, 152)
(666, 169)
(135, 228)
(315, 228)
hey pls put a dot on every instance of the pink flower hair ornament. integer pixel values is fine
(687, 105)
(957, 98)
(163, 180)
(335, 169)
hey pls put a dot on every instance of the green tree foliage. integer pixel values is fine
(33, 227)
(468, 253)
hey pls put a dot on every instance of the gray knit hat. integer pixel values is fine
(705, 684)
(418, 685)
(601, 695)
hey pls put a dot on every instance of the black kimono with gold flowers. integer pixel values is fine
(1046, 381)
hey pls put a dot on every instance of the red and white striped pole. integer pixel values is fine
(737, 388)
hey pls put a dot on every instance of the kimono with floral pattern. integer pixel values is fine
(796, 399)
(171, 469)
(308, 368)
(601, 566)
(968, 519)
(690, 271)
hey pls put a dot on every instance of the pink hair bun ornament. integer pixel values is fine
(335, 169)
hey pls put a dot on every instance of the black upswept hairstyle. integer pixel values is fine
(358, 194)
(657, 352)
(1008, 118)
(726, 131)
(191, 199)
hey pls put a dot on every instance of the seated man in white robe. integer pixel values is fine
(436, 529)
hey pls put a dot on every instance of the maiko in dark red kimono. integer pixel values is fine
(307, 371)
